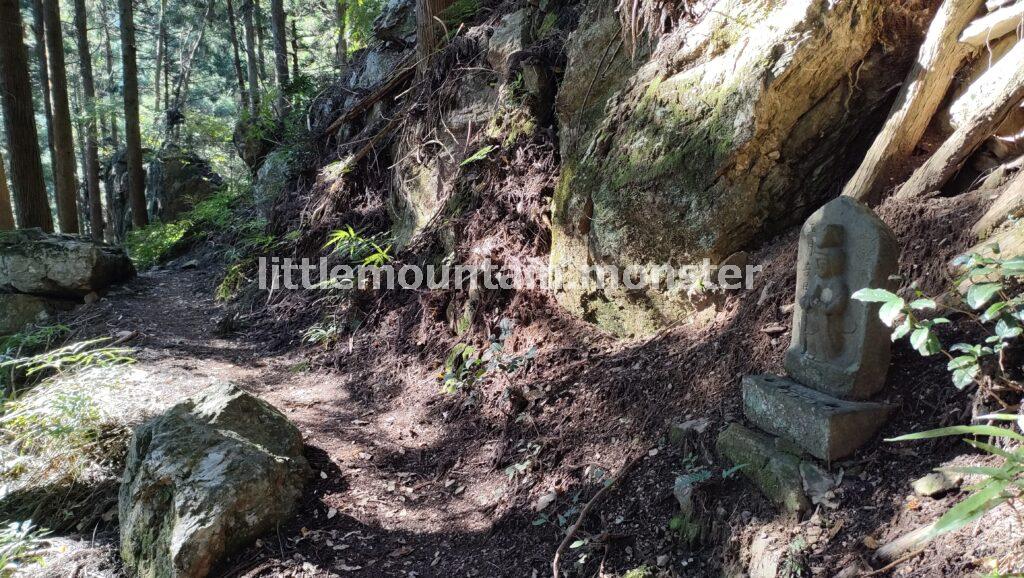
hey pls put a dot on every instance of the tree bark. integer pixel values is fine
(428, 12)
(295, 49)
(938, 59)
(185, 76)
(240, 76)
(91, 152)
(161, 48)
(341, 20)
(250, 55)
(994, 26)
(110, 85)
(39, 31)
(950, 156)
(1010, 203)
(278, 26)
(260, 38)
(6, 216)
(19, 120)
(65, 182)
(133, 134)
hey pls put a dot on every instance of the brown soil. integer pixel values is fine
(411, 481)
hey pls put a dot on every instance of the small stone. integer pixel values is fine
(91, 298)
(937, 484)
(683, 491)
(662, 560)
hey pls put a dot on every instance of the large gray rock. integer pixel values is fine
(774, 471)
(397, 22)
(839, 345)
(826, 427)
(63, 266)
(737, 127)
(176, 181)
(204, 479)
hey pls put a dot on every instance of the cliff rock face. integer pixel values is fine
(736, 125)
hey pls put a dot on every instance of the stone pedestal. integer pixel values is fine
(837, 360)
(825, 427)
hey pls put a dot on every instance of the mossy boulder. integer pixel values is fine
(205, 479)
(176, 181)
(738, 125)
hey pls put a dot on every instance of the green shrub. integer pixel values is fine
(17, 542)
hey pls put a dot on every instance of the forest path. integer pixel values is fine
(379, 503)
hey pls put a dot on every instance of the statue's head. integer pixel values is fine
(827, 251)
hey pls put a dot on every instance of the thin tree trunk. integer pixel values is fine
(427, 40)
(19, 121)
(295, 50)
(938, 59)
(64, 180)
(161, 47)
(133, 134)
(1010, 203)
(233, 31)
(108, 52)
(950, 157)
(6, 216)
(250, 55)
(260, 38)
(994, 26)
(185, 75)
(92, 160)
(341, 20)
(278, 26)
(39, 31)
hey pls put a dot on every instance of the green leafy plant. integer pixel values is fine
(992, 305)
(72, 357)
(466, 366)
(17, 542)
(324, 333)
(359, 249)
(479, 155)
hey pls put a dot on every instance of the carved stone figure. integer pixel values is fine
(839, 345)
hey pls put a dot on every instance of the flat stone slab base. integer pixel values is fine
(825, 427)
(774, 471)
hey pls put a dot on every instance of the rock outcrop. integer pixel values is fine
(738, 125)
(204, 479)
(18, 310)
(176, 181)
(60, 266)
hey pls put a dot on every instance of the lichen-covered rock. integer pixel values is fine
(176, 181)
(396, 22)
(62, 266)
(271, 179)
(204, 479)
(739, 124)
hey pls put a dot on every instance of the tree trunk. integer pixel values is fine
(240, 76)
(185, 75)
(133, 134)
(39, 31)
(250, 55)
(65, 182)
(427, 28)
(161, 48)
(260, 38)
(278, 26)
(1010, 203)
(92, 160)
(341, 20)
(295, 50)
(20, 123)
(938, 59)
(6, 216)
(948, 159)
(110, 85)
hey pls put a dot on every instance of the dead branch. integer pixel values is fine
(405, 73)
(1010, 203)
(994, 25)
(938, 59)
(950, 156)
(586, 510)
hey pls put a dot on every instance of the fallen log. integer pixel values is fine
(994, 25)
(1010, 203)
(938, 59)
(405, 72)
(950, 156)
